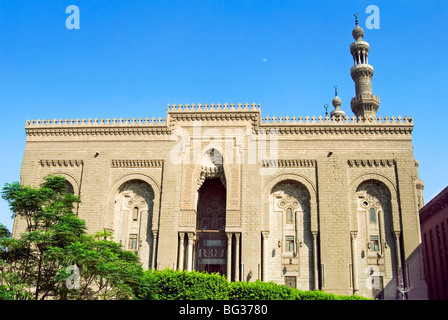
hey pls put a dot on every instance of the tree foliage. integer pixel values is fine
(4, 232)
(37, 264)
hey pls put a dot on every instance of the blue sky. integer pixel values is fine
(132, 58)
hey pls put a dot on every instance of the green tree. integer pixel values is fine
(35, 265)
(106, 271)
(4, 232)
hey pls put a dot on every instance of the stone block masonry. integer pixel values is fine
(326, 203)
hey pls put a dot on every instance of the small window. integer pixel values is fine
(374, 243)
(372, 215)
(133, 241)
(289, 216)
(289, 244)
(135, 214)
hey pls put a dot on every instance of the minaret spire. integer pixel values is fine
(337, 112)
(365, 104)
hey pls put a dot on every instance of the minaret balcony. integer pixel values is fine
(361, 70)
(359, 45)
(365, 101)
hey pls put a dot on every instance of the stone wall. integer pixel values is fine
(328, 159)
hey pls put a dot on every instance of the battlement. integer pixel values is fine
(250, 113)
(175, 110)
(94, 122)
(225, 107)
(265, 121)
(406, 121)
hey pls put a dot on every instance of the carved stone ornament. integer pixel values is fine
(289, 195)
(135, 194)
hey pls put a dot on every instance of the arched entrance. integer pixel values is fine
(211, 245)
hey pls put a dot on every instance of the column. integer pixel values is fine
(237, 256)
(298, 240)
(229, 256)
(400, 271)
(180, 266)
(383, 243)
(190, 252)
(353, 235)
(154, 247)
(264, 266)
(315, 266)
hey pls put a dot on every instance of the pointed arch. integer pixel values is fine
(290, 218)
(71, 181)
(210, 165)
(388, 184)
(376, 244)
(306, 182)
(143, 193)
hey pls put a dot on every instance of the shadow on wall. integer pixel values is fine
(411, 284)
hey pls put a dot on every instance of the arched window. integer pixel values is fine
(372, 215)
(289, 216)
(70, 188)
(289, 244)
(135, 214)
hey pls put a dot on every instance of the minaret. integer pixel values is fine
(337, 112)
(365, 104)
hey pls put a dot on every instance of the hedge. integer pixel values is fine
(182, 285)
(193, 285)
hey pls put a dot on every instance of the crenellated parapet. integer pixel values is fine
(337, 125)
(339, 121)
(91, 127)
(212, 112)
(225, 107)
(93, 122)
(178, 115)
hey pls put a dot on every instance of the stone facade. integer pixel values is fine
(434, 226)
(315, 203)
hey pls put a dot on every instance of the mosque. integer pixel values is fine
(329, 203)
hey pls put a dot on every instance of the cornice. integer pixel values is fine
(141, 163)
(92, 127)
(288, 163)
(356, 163)
(176, 114)
(60, 163)
(95, 131)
